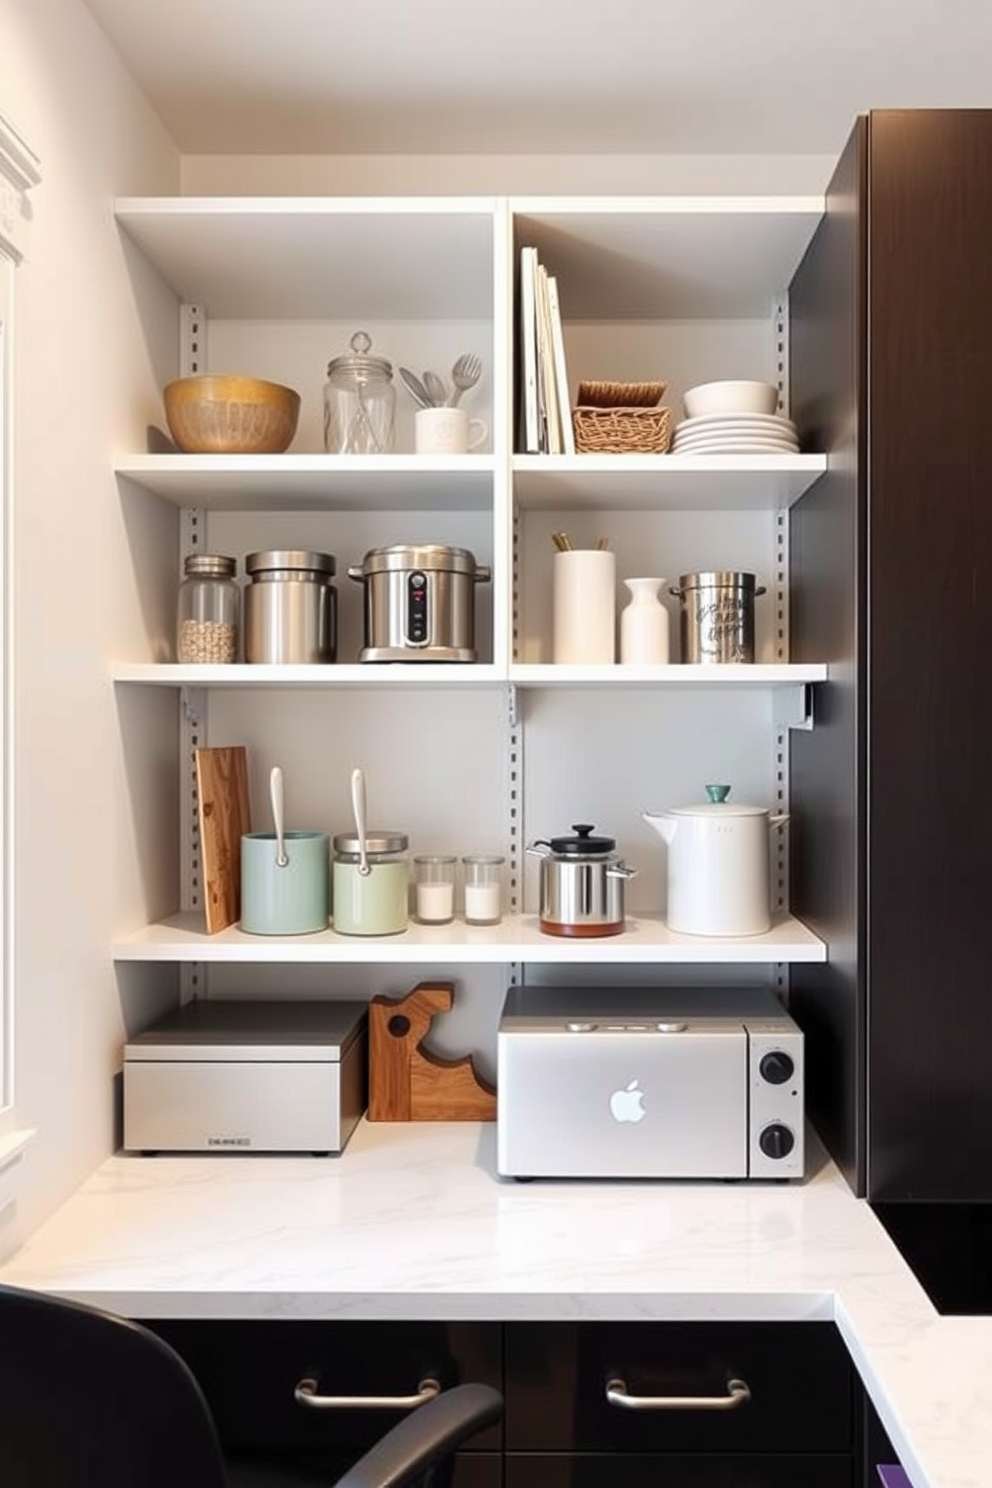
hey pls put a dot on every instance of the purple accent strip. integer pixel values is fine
(893, 1477)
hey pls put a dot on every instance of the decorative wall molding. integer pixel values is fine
(19, 172)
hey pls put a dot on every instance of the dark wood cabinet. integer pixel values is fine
(249, 1372)
(890, 567)
(799, 1424)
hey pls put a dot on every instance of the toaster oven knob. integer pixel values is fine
(776, 1067)
(776, 1140)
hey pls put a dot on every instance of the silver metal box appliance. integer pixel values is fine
(648, 1082)
(247, 1076)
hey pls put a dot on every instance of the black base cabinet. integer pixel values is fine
(802, 1422)
(796, 1424)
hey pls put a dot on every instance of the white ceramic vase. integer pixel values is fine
(644, 623)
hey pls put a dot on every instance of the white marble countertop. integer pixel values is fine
(411, 1222)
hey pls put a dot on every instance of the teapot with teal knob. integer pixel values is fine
(718, 864)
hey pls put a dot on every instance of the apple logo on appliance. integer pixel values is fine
(628, 1104)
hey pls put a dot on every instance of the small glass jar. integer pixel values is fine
(483, 888)
(359, 402)
(208, 610)
(376, 903)
(434, 875)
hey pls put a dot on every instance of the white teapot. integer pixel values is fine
(718, 878)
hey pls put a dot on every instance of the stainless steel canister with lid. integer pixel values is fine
(716, 615)
(290, 606)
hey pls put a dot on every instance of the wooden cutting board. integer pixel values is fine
(224, 813)
(408, 1083)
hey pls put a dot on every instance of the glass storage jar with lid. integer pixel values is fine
(359, 402)
(377, 901)
(208, 609)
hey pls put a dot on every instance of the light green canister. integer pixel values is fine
(377, 902)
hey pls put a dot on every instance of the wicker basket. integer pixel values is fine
(621, 431)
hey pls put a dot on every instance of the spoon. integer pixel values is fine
(416, 387)
(278, 815)
(437, 390)
(358, 805)
(464, 375)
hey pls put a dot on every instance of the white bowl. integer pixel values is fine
(730, 397)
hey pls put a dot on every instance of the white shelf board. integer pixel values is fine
(320, 258)
(476, 674)
(315, 482)
(664, 482)
(310, 676)
(517, 938)
(674, 675)
(669, 258)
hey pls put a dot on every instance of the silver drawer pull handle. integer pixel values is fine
(737, 1394)
(306, 1394)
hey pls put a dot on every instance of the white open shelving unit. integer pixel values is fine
(685, 288)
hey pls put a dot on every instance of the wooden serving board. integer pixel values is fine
(224, 814)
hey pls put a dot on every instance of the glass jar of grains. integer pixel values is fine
(208, 609)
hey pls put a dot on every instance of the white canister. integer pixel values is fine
(584, 607)
(718, 870)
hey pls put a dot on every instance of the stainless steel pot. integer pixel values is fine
(290, 606)
(582, 884)
(419, 602)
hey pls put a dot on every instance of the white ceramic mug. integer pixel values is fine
(448, 431)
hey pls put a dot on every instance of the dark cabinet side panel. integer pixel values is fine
(827, 782)
(930, 598)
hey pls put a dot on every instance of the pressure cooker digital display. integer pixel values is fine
(416, 608)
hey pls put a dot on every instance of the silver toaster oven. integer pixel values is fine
(643, 1082)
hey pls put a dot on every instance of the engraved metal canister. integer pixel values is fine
(716, 616)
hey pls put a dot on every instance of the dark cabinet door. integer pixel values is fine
(890, 370)
(590, 1470)
(798, 1375)
(249, 1372)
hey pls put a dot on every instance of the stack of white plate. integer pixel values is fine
(736, 434)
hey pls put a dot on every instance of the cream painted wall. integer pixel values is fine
(503, 175)
(85, 384)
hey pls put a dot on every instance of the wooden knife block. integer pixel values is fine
(407, 1083)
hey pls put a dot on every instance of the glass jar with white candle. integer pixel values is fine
(434, 876)
(483, 888)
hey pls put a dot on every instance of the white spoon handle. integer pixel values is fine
(278, 814)
(358, 805)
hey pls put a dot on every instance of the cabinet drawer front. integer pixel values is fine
(799, 1376)
(594, 1470)
(249, 1372)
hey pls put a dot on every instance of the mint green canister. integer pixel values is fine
(289, 898)
(375, 901)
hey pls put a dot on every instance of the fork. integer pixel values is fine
(464, 375)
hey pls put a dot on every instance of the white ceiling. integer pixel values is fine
(543, 76)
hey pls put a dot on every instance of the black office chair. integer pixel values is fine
(90, 1400)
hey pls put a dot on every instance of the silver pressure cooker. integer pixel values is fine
(419, 602)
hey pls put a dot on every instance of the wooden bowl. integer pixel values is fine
(231, 415)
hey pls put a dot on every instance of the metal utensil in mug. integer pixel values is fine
(716, 616)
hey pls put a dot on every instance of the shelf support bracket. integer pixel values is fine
(793, 707)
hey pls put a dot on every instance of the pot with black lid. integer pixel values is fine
(582, 884)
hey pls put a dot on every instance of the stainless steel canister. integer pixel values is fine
(716, 615)
(582, 884)
(419, 602)
(290, 605)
